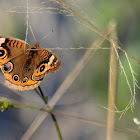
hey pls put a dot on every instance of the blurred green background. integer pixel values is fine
(90, 89)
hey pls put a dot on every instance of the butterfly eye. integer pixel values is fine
(8, 67)
(42, 68)
(2, 52)
(16, 78)
(25, 80)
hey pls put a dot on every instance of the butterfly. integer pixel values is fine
(24, 67)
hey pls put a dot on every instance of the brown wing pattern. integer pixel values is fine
(10, 48)
(46, 62)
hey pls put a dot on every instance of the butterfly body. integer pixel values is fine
(24, 67)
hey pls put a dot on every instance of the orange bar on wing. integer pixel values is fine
(12, 43)
(46, 55)
(19, 44)
(42, 53)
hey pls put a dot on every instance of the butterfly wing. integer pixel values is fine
(18, 72)
(10, 48)
(46, 62)
(15, 63)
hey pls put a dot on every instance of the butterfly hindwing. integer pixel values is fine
(18, 72)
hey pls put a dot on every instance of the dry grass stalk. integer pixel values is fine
(112, 88)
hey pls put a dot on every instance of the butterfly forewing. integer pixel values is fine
(46, 62)
(10, 48)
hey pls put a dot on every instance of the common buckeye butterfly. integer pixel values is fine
(24, 67)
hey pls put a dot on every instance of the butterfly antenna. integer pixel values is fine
(46, 35)
(32, 33)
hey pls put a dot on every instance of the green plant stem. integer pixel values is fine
(48, 111)
(79, 118)
(41, 95)
(56, 125)
(38, 94)
(31, 107)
